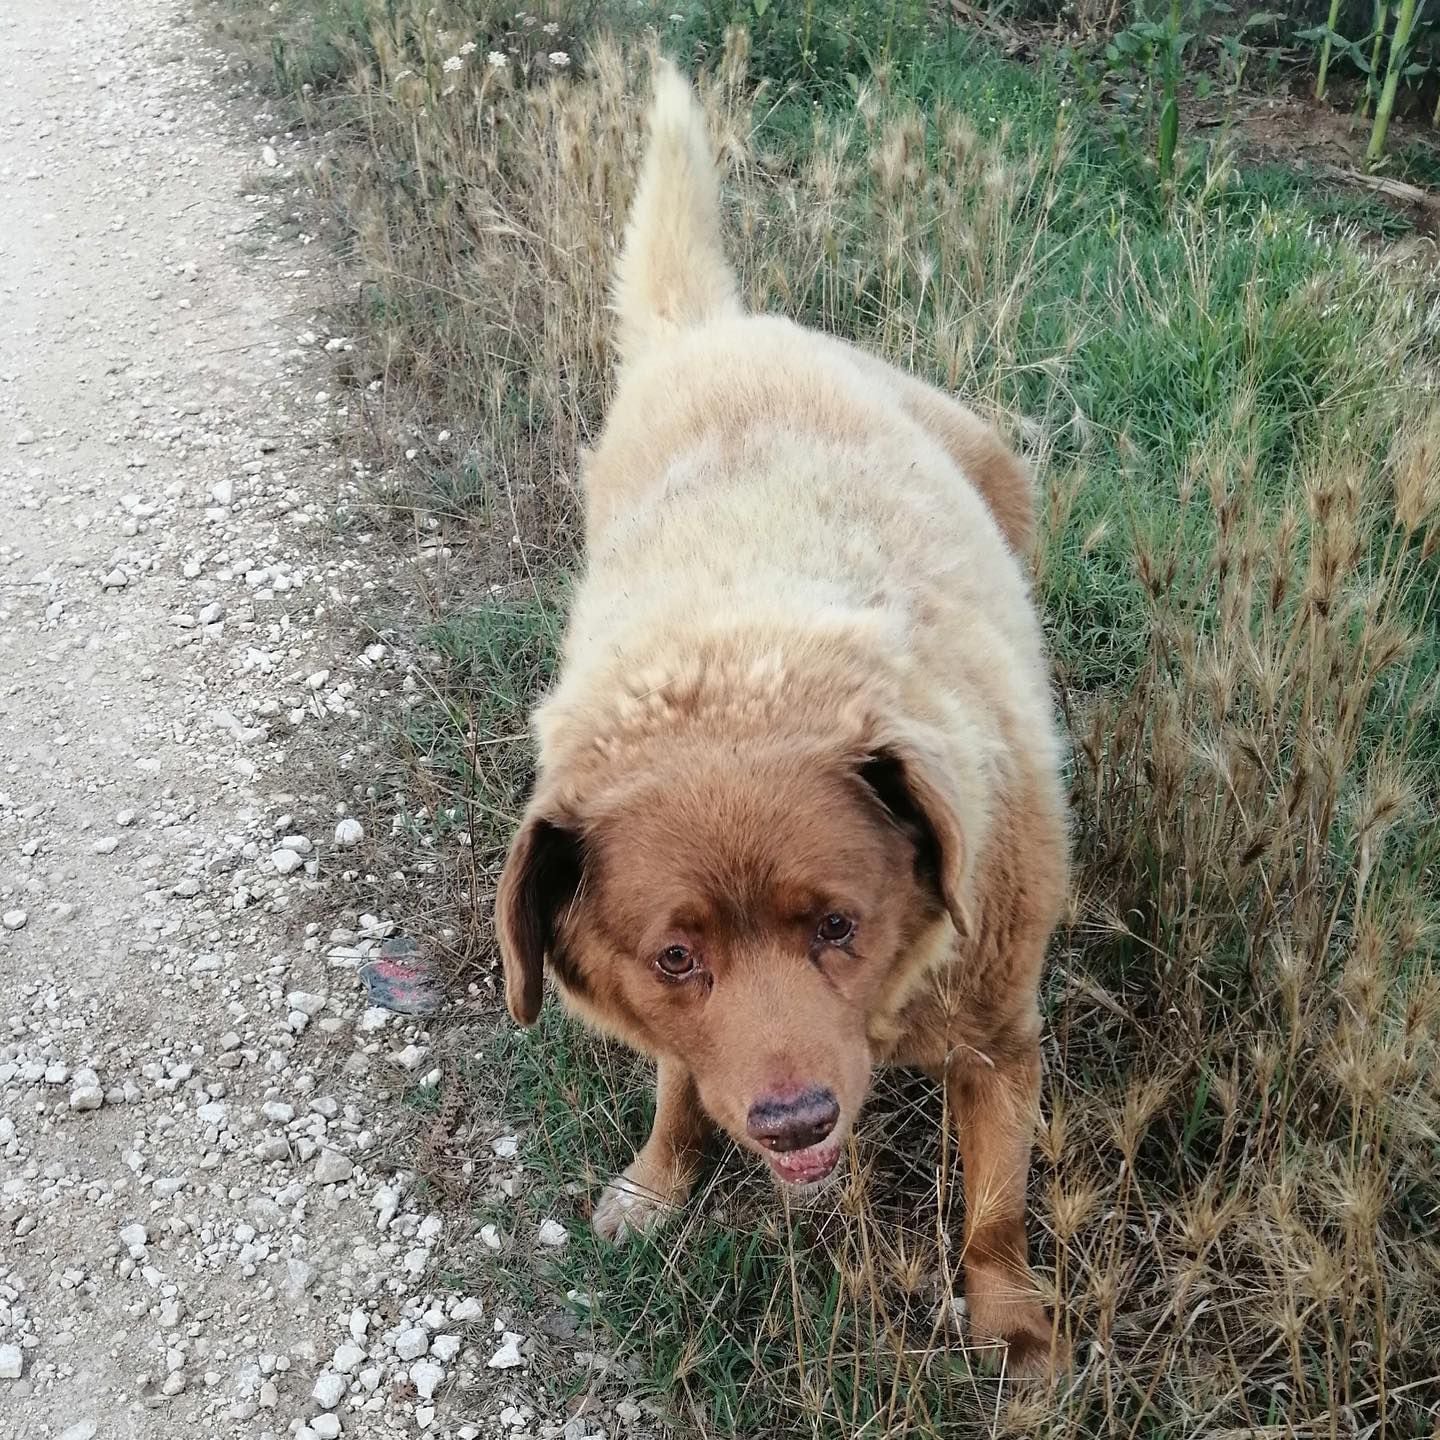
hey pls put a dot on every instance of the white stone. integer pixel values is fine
(11, 1362)
(332, 1167)
(347, 1358)
(305, 1001)
(411, 1343)
(467, 1311)
(349, 833)
(508, 1356)
(490, 1237)
(278, 1111)
(87, 1097)
(552, 1233)
(425, 1375)
(445, 1348)
(327, 1426)
(286, 862)
(14, 919)
(329, 1389)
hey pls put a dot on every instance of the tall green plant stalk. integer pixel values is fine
(1382, 19)
(1325, 49)
(1399, 44)
(1170, 111)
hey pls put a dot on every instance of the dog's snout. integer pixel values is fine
(793, 1122)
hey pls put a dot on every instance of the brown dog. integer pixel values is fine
(798, 809)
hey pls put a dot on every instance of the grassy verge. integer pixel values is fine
(1229, 399)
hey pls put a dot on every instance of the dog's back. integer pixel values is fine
(673, 278)
(752, 471)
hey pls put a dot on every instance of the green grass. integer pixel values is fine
(469, 739)
(756, 1297)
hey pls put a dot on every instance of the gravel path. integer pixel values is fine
(197, 1235)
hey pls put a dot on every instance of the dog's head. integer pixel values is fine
(751, 914)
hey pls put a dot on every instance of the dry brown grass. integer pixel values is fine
(1242, 1136)
(1237, 1191)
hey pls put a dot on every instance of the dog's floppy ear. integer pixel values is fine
(541, 877)
(912, 785)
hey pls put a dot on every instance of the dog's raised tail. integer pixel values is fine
(673, 274)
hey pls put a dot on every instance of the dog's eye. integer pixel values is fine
(835, 929)
(675, 962)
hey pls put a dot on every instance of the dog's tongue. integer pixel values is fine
(802, 1167)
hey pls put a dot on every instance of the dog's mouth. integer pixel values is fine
(808, 1166)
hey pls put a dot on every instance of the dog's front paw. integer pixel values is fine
(1032, 1347)
(636, 1202)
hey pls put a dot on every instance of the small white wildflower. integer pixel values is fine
(551, 28)
(496, 60)
(468, 48)
(558, 58)
(453, 63)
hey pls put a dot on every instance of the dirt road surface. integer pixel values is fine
(197, 1236)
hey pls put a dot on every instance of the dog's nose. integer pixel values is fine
(793, 1122)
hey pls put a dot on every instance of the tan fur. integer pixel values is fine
(803, 676)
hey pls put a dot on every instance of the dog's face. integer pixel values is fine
(748, 914)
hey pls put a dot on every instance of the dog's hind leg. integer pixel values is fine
(662, 1174)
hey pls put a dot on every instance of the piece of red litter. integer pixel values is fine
(401, 979)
